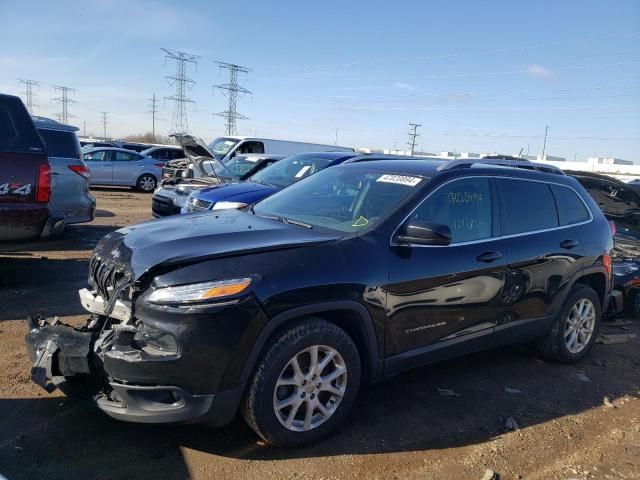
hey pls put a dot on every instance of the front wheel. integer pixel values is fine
(574, 332)
(146, 183)
(305, 385)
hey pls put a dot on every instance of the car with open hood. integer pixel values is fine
(200, 168)
(353, 274)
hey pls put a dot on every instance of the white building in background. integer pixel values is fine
(608, 161)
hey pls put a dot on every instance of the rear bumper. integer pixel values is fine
(20, 221)
(82, 212)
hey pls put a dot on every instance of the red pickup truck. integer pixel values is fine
(25, 176)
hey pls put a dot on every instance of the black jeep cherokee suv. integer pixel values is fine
(353, 274)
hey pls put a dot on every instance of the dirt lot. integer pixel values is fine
(404, 428)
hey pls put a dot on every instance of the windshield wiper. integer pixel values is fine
(285, 220)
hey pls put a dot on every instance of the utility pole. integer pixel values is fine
(64, 100)
(232, 89)
(154, 109)
(28, 92)
(413, 134)
(182, 83)
(84, 128)
(544, 146)
(336, 144)
(104, 124)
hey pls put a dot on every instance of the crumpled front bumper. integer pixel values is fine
(64, 357)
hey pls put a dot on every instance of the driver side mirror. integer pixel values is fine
(419, 232)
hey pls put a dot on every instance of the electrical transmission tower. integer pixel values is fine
(182, 83)
(153, 110)
(64, 101)
(104, 124)
(232, 90)
(413, 134)
(28, 92)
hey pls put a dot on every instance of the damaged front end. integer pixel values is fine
(86, 362)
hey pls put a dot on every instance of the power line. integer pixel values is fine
(182, 83)
(104, 124)
(28, 92)
(232, 89)
(413, 134)
(154, 109)
(64, 100)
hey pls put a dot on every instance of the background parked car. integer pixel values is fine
(620, 203)
(164, 153)
(70, 188)
(117, 166)
(25, 176)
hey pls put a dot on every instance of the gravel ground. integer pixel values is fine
(573, 422)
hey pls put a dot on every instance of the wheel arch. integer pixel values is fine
(596, 279)
(349, 315)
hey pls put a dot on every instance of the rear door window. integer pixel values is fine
(61, 143)
(570, 207)
(17, 133)
(526, 206)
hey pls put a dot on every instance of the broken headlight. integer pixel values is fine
(198, 292)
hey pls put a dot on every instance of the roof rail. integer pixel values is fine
(524, 164)
(367, 157)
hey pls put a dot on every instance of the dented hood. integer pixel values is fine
(186, 238)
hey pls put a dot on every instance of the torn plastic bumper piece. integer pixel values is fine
(56, 350)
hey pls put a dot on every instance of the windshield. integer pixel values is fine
(221, 146)
(290, 170)
(215, 168)
(344, 199)
(241, 164)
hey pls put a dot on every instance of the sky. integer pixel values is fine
(477, 76)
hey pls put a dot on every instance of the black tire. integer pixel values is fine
(146, 183)
(258, 408)
(553, 345)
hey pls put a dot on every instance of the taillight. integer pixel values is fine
(81, 170)
(606, 261)
(612, 225)
(43, 187)
(158, 165)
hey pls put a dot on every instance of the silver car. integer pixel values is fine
(117, 166)
(70, 180)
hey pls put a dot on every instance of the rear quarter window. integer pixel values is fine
(61, 143)
(17, 133)
(570, 206)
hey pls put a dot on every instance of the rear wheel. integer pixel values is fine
(574, 332)
(146, 183)
(304, 386)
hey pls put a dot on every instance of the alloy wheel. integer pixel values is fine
(147, 183)
(310, 388)
(580, 325)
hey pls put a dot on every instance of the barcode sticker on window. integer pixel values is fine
(400, 179)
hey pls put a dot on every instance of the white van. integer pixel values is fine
(228, 147)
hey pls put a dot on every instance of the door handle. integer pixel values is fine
(568, 244)
(488, 257)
